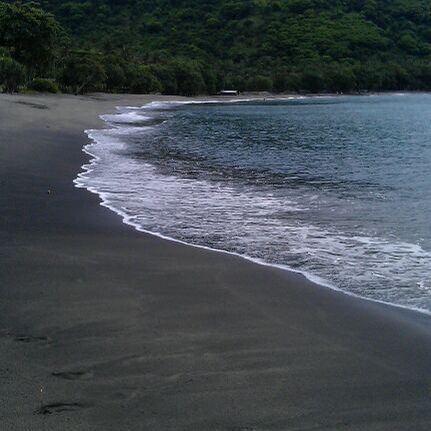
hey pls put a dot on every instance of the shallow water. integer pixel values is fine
(336, 188)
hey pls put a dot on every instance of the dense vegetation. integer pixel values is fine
(201, 46)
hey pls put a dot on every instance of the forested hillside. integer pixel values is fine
(197, 46)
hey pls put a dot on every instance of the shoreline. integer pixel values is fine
(123, 330)
(318, 281)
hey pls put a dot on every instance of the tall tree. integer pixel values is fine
(31, 34)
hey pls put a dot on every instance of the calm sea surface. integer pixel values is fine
(336, 188)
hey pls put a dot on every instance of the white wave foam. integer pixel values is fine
(157, 105)
(125, 117)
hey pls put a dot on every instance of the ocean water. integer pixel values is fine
(338, 188)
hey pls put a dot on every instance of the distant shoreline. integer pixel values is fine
(257, 94)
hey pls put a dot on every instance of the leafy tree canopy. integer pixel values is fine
(201, 46)
(30, 33)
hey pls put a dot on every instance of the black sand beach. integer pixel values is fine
(105, 328)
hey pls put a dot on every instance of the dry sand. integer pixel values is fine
(104, 328)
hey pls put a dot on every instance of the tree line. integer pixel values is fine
(192, 47)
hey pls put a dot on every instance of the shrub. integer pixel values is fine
(43, 85)
(115, 77)
(166, 75)
(312, 80)
(83, 72)
(259, 83)
(340, 78)
(210, 79)
(285, 81)
(189, 77)
(142, 81)
(12, 74)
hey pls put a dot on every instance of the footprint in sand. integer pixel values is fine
(32, 339)
(73, 375)
(56, 408)
(24, 338)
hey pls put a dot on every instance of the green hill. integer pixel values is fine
(280, 45)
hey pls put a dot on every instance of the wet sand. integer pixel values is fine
(105, 328)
